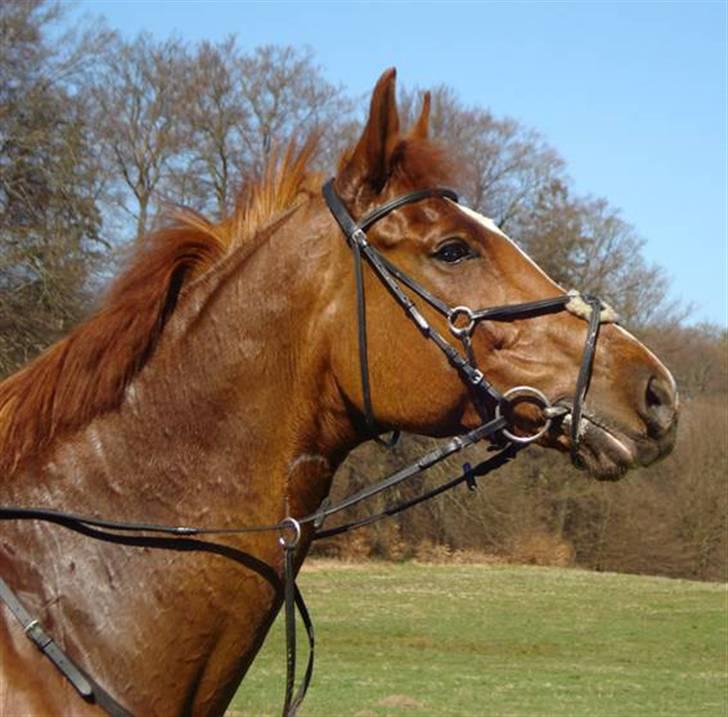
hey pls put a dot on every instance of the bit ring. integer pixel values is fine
(533, 393)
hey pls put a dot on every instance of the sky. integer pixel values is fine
(632, 95)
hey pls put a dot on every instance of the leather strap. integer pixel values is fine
(308, 625)
(421, 464)
(410, 198)
(468, 476)
(350, 227)
(354, 232)
(389, 275)
(85, 686)
(385, 271)
(290, 616)
(292, 599)
(585, 372)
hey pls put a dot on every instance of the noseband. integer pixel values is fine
(462, 322)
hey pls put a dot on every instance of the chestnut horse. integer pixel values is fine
(220, 384)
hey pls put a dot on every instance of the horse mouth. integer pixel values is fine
(605, 452)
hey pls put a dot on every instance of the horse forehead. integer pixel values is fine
(492, 226)
(487, 222)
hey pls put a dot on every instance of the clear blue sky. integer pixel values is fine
(632, 95)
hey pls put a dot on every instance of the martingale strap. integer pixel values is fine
(84, 685)
(101, 529)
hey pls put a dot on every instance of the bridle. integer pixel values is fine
(461, 322)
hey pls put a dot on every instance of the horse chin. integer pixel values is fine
(604, 452)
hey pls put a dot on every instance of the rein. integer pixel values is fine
(461, 322)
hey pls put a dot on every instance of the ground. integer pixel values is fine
(470, 640)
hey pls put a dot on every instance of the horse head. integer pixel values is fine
(461, 259)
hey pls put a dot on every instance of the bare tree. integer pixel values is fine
(697, 355)
(138, 102)
(215, 116)
(285, 93)
(507, 164)
(49, 178)
(241, 105)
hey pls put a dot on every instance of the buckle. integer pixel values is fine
(359, 237)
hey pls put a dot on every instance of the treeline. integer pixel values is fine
(669, 519)
(99, 135)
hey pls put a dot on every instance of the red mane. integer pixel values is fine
(87, 372)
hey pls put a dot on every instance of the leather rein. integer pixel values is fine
(461, 322)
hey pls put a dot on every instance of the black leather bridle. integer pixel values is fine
(461, 322)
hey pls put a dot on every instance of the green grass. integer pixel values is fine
(471, 640)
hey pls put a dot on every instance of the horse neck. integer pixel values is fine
(238, 382)
(232, 422)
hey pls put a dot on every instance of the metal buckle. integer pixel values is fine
(477, 377)
(360, 238)
(533, 393)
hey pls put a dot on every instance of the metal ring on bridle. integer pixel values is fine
(289, 524)
(534, 393)
(455, 314)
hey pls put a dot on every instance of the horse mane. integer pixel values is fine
(86, 373)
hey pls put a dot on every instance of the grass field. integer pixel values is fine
(471, 640)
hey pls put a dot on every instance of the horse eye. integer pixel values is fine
(454, 251)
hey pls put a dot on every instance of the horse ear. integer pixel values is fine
(369, 163)
(421, 128)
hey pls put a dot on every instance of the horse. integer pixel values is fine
(221, 383)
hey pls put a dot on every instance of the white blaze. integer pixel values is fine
(493, 227)
(489, 224)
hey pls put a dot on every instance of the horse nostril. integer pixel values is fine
(660, 405)
(655, 394)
